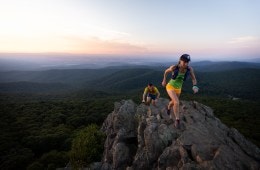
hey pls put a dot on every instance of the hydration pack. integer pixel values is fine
(176, 71)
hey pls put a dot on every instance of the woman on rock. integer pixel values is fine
(179, 72)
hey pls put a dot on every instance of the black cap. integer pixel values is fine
(150, 84)
(185, 57)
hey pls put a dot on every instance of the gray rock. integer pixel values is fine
(143, 137)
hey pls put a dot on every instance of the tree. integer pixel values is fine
(87, 147)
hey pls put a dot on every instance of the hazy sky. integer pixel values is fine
(217, 28)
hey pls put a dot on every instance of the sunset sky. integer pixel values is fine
(217, 28)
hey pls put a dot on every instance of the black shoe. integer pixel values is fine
(168, 122)
(168, 111)
(177, 123)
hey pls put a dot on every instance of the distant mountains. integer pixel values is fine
(239, 79)
(70, 76)
(40, 62)
(209, 66)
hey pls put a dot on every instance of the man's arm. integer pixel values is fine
(144, 94)
(157, 93)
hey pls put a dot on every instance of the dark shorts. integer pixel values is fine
(153, 97)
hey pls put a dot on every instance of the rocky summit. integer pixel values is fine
(144, 137)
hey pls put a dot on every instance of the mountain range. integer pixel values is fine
(238, 79)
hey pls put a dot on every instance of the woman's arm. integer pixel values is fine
(193, 77)
(168, 70)
(194, 80)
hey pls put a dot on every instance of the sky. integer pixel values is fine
(201, 28)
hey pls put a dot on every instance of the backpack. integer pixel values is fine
(176, 71)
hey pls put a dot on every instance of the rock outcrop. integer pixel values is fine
(144, 137)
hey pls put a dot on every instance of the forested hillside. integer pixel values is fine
(208, 66)
(42, 113)
(71, 77)
(239, 83)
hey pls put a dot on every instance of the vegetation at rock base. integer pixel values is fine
(87, 146)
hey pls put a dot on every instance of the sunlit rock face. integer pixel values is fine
(144, 137)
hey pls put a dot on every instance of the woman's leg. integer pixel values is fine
(170, 105)
(175, 102)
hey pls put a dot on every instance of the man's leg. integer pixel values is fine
(148, 100)
(153, 98)
(153, 102)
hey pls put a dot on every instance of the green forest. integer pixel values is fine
(43, 123)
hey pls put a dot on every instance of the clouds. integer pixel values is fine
(128, 27)
(245, 45)
(244, 40)
(96, 45)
